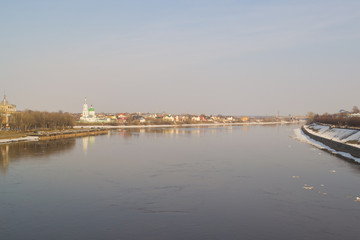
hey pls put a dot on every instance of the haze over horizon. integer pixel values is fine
(213, 57)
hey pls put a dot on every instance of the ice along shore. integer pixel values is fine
(340, 141)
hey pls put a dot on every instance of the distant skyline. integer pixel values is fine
(212, 57)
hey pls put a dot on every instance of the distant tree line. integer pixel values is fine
(340, 119)
(31, 120)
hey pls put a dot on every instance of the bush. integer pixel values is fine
(338, 120)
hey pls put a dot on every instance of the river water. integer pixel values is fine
(238, 182)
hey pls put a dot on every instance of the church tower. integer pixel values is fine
(6, 110)
(85, 112)
(88, 115)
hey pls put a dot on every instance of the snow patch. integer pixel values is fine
(302, 137)
(342, 135)
(21, 139)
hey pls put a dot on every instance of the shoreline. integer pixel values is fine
(33, 137)
(186, 125)
(302, 137)
(19, 139)
(338, 135)
(79, 131)
(331, 145)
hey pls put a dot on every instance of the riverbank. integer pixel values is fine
(19, 139)
(79, 131)
(51, 135)
(346, 136)
(186, 125)
(339, 141)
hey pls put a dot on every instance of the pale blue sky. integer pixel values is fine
(215, 57)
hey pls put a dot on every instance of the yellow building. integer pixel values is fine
(6, 110)
(244, 119)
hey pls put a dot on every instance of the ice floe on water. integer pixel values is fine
(308, 187)
(302, 137)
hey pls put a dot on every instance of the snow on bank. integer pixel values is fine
(302, 137)
(342, 135)
(21, 139)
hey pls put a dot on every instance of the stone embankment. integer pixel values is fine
(69, 134)
(339, 139)
(56, 135)
(19, 139)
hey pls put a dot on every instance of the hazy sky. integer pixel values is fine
(215, 57)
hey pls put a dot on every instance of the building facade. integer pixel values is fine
(6, 110)
(88, 115)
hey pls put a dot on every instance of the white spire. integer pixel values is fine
(85, 113)
(4, 101)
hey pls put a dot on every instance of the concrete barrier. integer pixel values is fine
(71, 134)
(338, 146)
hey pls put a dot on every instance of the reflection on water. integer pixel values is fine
(21, 151)
(87, 141)
(172, 132)
(4, 157)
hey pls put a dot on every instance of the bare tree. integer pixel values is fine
(355, 109)
(311, 117)
(30, 120)
(338, 120)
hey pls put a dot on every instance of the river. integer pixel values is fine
(240, 182)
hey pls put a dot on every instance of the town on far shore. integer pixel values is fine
(88, 116)
(11, 119)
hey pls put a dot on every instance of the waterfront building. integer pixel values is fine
(244, 119)
(169, 117)
(196, 119)
(6, 110)
(121, 117)
(88, 115)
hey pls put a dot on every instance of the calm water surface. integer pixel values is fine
(186, 183)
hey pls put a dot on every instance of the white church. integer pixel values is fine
(88, 115)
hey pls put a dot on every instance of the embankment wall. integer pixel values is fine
(73, 134)
(338, 146)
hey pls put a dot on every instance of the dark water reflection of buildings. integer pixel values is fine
(20, 151)
(172, 132)
(188, 131)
